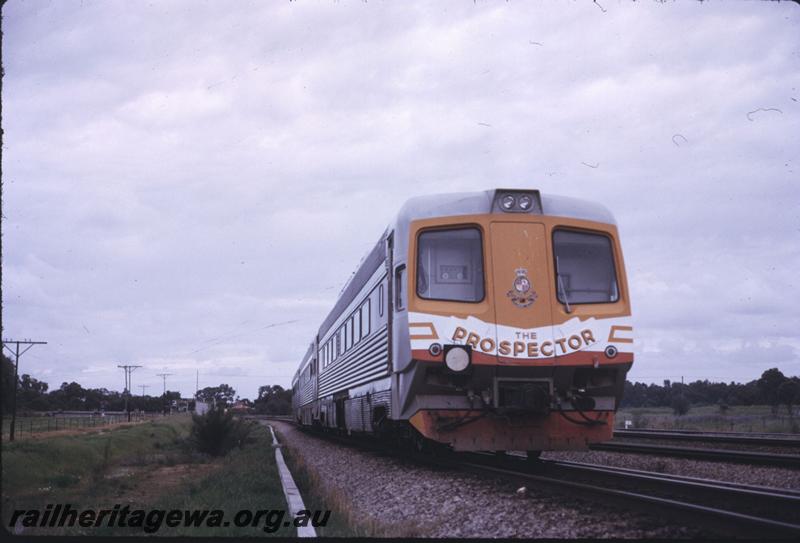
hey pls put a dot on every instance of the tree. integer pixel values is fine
(70, 396)
(30, 388)
(768, 385)
(680, 405)
(787, 393)
(8, 383)
(217, 432)
(222, 395)
(273, 400)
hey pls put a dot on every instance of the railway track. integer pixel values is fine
(725, 507)
(724, 455)
(776, 440)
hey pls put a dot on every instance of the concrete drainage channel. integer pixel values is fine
(293, 498)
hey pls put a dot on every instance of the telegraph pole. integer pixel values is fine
(128, 370)
(164, 376)
(17, 354)
(143, 387)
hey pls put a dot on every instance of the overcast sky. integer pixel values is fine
(180, 176)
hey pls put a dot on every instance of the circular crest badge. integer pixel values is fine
(522, 295)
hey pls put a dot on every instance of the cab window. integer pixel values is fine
(450, 265)
(584, 265)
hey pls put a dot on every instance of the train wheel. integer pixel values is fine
(419, 444)
(533, 456)
(423, 447)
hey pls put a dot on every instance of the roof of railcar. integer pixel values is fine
(445, 205)
(475, 203)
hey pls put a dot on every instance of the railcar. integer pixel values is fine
(494, 320)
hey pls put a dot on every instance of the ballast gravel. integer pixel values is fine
(407, 499)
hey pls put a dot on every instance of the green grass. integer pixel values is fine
(63, 461)
(750, 418)
(246, 480)
(70, 469)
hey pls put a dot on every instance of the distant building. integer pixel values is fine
(240, 407)
(201, 408)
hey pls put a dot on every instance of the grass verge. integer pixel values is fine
(63, 461)
(149, 467)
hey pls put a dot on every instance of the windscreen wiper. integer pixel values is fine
(561, 288)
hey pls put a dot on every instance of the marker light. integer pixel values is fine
(508, 202)
(525, 202)
(457, 359)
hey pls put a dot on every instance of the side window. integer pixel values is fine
(585, 272)
(450, 265)
(357, 326)
(351, 330)
(365, 318)
(380, 300)
(348, 334)
(400, 288)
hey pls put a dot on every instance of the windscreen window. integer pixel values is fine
(584, 268)
(450, 265)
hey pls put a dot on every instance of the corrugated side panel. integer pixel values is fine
(358, 411)
(367, 362)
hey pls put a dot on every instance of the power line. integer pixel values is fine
(17, 354)
(216, 341)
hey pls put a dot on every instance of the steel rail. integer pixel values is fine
(724, 492)
(788, 441)
(725, 455)
(770, 492)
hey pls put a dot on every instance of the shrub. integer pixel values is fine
(680, 405)
(217, 432)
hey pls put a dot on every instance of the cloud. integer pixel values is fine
(179, 172)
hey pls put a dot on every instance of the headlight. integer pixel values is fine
(508, 202)
(525, 202)
(457, 359)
